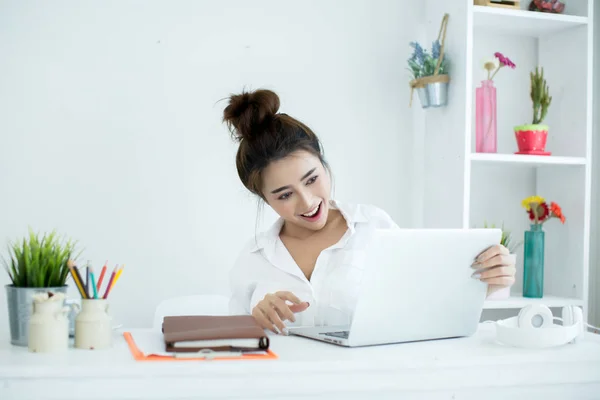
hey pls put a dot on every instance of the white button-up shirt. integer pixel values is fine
(265, 266)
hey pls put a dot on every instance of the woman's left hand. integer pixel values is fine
(495, 267)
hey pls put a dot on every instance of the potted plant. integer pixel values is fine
(506, 240)
(531, 138)
(539, 212)
(429, 71)
(35, 264)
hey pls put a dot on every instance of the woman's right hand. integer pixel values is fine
(272, 310)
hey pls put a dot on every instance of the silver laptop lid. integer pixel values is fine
(417, 285)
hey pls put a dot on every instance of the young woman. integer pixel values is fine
(305, 270)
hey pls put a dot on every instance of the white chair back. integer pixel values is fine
(204, 304)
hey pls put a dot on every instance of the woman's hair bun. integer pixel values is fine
(249, 113)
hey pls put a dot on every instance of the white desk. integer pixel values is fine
(467, 368)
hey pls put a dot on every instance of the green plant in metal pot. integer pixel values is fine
(507, 239)
(35, 263)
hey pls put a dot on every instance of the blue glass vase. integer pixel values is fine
(533, 262)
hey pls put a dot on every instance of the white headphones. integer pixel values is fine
(534, 327)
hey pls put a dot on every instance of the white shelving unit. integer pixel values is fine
(526, 160)
(523, 23)
(516, 300)
(463, 188)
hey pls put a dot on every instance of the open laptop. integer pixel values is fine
(416, 285)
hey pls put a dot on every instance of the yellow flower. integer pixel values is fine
(526, 203)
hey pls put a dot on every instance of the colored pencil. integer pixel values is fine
(93, 283)
(87, 279)
(109, 284)
(101, 276)
(86, 295)
(119, 272)
(78, 275)
(77, 283)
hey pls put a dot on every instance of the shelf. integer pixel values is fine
(526, 160)
(517, 301)
(523, 23)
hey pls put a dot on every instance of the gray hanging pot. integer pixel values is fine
(423, 96)
(437, 94)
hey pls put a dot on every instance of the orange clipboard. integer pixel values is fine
(139, 356)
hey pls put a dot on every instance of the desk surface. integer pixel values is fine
(465, 368)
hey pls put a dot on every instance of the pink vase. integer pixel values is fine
(485, 118)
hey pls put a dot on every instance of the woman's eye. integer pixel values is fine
(312, 180)
(285, 196)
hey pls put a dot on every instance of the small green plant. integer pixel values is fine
(506, 239)
(540, 95)
(39, 262)
(422, 64)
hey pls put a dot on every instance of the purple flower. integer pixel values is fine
(435, 49)
(504, 61)
(418, 54)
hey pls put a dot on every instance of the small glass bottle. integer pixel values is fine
(485, 118)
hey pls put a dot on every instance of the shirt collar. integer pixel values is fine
(352, 213)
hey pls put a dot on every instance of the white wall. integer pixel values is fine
(444, 144)
(110, 125)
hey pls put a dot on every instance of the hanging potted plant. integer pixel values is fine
(539, 212)
(531, 138)
(429, 71)
(35, 265)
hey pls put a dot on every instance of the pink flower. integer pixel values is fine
(504, 61)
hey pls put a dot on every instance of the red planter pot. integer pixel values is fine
(531, 139)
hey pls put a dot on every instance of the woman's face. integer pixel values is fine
(298, 187)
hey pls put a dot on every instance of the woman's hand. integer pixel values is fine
(495, 267)
(271, 311)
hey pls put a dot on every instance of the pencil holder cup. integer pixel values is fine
(93, 325)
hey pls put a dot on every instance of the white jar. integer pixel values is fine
(48, 327)
(93, 329)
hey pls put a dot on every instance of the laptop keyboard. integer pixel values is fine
(340, 334)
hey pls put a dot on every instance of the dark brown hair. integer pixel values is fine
(265, 135)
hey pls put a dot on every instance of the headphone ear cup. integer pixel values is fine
(573, 316)
(578, 319)
(567, 316)
(535, 316)
(522, 315)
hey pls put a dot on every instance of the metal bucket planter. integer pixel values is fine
(437, 93)
(423, 96)
(433, 94)
(432, 90)
(20, 307)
